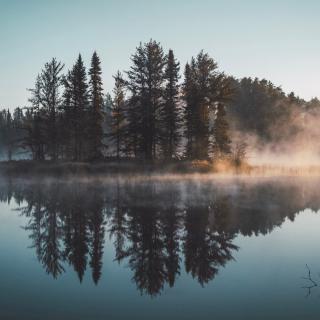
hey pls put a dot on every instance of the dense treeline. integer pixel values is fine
(153, 113)
(11, 133)
(260, 108)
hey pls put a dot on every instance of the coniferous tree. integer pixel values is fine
(66, 124)
(170, 113)
(34, 124)
(95, 129)
(118, 114)
(78, 114)
(146, 78)
(189, 91)
(204, 87)
(50, 99)
(46, 100)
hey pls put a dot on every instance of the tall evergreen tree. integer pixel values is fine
(34, 124)
(171, 113)
(46, 100)
(204, 87)
(189, 93)
(146, 79)
(118, 113)
(77, 96)
(50, 98)
(95, 129)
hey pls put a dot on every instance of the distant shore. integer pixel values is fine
(159, 169)
(108, 167)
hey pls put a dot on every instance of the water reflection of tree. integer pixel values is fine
(206, 248)
(45, 228)
(152, 226)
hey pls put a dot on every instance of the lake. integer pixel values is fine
(221, 248)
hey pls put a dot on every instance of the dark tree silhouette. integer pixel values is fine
(95, 129)
(46, 100)
(76, 97)
(221, 137)
(171, 117)
(145, 83)
(118, 114)
(204, 87)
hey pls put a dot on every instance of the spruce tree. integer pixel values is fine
(46, 100)
(189, 94)
(66, 125)
(51, 81)
(146, 79)
(204, 87)
(171, 113)
(118, 114)
(35, 124)
(95, 129)
(78, 110)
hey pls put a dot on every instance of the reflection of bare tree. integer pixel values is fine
(311, 282)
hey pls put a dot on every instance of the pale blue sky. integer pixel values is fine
(275, 39)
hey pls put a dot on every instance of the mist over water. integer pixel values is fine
(202, 245)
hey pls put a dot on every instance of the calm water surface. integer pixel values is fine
(182, 249)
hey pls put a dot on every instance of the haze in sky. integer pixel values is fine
(275, 39)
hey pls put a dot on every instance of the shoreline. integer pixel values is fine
(159, 170)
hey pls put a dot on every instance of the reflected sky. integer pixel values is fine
(178, 249)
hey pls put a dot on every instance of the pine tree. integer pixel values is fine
(205, 77)
(170, 113)
(189, 94)
(146, 78)
(95, 130)
(46, 100)
(66, 124)
(78, 110)
(51, 81)
(204, 87)
(118, 113)
(34, 124)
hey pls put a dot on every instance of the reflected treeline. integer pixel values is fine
(158, 228)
